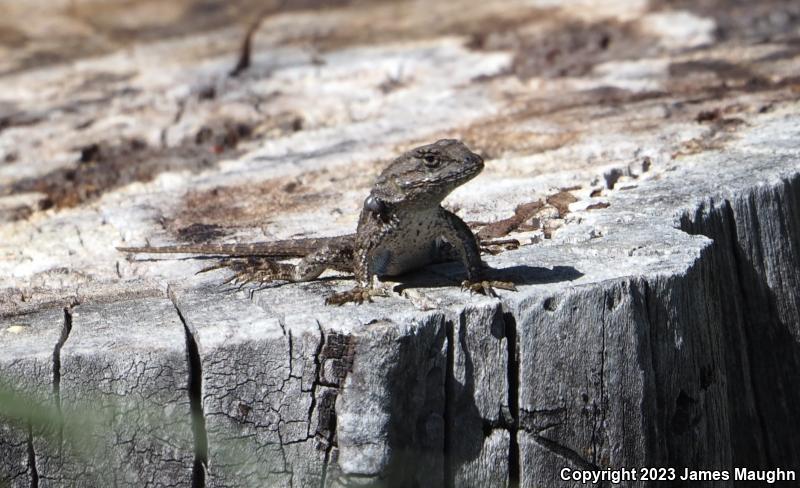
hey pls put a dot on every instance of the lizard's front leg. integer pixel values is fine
(364, 290)
(363, 268)
(458, 234)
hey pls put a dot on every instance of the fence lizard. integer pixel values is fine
(402, 227)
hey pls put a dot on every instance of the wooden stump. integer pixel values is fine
(645, 158)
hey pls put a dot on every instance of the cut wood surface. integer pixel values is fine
(642, 167)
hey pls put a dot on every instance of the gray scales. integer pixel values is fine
(402, 227)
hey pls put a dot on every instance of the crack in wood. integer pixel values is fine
(449, 385)
(512, 370)
(195, 390)
(34, 472)
(66, 328)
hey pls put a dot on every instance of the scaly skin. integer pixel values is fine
(401, 228)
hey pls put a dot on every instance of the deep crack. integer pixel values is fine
(32, 459)
(195, 389)
(730, 220)
(513, 398)
(449, 385)
(315, 382)
(314, 386)
(65, 331)
(597, 442)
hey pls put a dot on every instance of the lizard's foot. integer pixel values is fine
(357, 295)
(252, 270)
(486, 287)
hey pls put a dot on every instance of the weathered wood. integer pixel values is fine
(653, 153)
(122, 391)
(27, 347)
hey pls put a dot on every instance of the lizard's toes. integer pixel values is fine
(474, 286)
(356, 295)
(486, 287)
(504, 285)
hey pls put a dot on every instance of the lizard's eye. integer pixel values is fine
(431, 160)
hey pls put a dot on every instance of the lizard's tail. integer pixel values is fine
(290, 248)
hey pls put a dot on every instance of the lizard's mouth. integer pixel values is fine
(473, 165)
(477, 161)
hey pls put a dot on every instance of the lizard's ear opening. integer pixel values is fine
(375, 205)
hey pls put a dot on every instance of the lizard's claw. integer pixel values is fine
(486, 287)
(357, 295)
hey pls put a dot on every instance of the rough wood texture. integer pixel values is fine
(644, 155)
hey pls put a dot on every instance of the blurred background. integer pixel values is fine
(36, 33)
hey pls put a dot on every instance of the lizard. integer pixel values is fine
(402, 227)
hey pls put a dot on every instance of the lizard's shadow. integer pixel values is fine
(533, 275)
(434, 276)
(453, 273)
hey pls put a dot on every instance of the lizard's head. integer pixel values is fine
(428, 173)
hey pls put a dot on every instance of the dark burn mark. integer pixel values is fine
(646, 164)
(197, 233)
(222, 136)
(104, 166)
(256, 203)
(565, 48)
(708, 115)
(524, 219)
(690, 82)
(574, 49)
(612, 176)
(89, 154)
(764, 20)
(248, 204)
(522, 214)
(723, 70)
(598, 205)
(561, 201)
